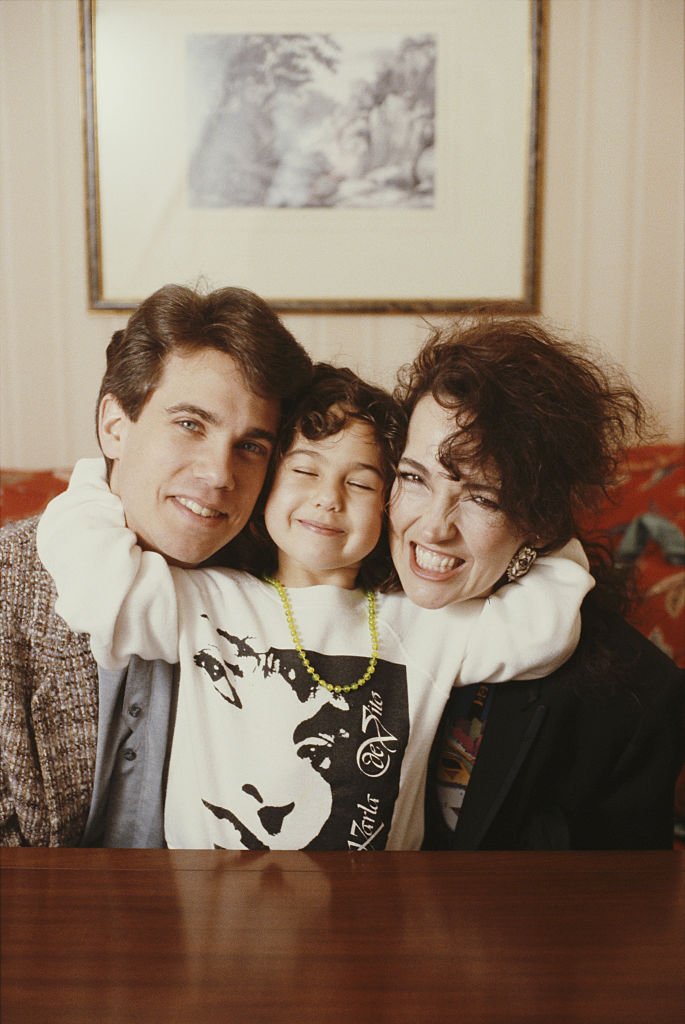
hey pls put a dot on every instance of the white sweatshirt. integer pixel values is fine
(263, 757)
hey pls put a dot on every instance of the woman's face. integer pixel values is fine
(449, 539)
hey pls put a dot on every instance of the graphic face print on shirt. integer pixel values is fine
(285, 763)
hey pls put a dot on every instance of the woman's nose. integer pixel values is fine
(438, 523)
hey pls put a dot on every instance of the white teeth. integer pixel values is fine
(426, 559)
(199, 510)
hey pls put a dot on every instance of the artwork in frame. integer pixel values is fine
(331, 155)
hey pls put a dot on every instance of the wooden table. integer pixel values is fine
(130, 936)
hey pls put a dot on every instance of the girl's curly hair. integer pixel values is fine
(334, 397)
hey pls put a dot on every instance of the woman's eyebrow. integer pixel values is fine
(406, 461)
(444, 471)
(473, 485)
(481, 486)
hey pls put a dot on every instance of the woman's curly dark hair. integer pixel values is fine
(552, 420)
(547, 415)
(334, 397)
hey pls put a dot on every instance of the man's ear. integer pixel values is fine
(112, 427)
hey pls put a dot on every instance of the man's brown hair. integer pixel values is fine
(180, 320)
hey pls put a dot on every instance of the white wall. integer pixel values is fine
(613, 238)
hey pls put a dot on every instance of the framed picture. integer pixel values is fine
(330, 155)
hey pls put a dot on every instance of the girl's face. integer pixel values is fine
(449, 538)
(325, 509)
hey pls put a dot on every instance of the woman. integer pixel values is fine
(514, 437)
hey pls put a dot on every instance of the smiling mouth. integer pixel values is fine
(319, 527)
(200, 510)
(432, 561)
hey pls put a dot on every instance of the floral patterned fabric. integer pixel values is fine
(645, 522)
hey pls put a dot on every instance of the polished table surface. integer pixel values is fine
(183, 936)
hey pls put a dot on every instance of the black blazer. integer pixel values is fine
(573, 762)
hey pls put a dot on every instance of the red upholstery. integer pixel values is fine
(26, 492)
(653, 482)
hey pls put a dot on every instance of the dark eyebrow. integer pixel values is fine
(261, 434)
(474, 485)
(413, 463)
(214, 421)
(419, 467)
(193, 410)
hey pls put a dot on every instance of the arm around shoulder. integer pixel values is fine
(530, 627)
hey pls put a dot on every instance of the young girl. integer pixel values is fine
(307, 706)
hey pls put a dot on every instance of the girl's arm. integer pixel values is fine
(529, 628)
(107, 585)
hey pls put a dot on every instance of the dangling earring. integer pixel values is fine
(521, 563)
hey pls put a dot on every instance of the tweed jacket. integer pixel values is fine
(48, 704)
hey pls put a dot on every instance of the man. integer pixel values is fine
(187, 417)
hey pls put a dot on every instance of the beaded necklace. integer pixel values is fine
(373, 633)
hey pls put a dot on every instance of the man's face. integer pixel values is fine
(190, 468)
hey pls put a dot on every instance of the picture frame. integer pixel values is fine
(334, 156)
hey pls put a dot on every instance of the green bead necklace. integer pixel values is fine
(373, 633)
